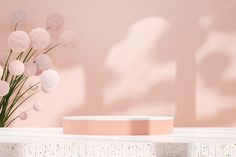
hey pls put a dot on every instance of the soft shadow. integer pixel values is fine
(124, 78)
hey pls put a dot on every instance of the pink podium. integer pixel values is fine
(118, 125)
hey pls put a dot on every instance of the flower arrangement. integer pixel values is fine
(27, 57)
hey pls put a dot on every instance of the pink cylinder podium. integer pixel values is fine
(118, 125)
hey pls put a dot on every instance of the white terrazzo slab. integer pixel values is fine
(184, 142)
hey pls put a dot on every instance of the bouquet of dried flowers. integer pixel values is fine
(27, 57)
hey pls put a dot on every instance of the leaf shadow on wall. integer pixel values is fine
(178, 46)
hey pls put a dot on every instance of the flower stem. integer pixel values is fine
(5, 66)
(15, 27)
(51, 48)
(22, 103)
(27, 54)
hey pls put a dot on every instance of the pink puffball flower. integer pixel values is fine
(40, 38)
(39, 72)
(23, 116)
(16, 67)
(43, 62)
(38, 106)
(30, 69)
(1, 71)
(4, 88)
(18, 41)
(49, 79)
(54, 21)
(68, 39)
(18, 16)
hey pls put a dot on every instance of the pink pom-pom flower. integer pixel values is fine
(16, 67)
(18, 41)
(49, 79)
(18, 16)
(1, 71)
(30, 69)
(4, 88)
(43, 62)
(23, 116)
(68, 39)
(38, 106)
(54, 21)
(40, 38)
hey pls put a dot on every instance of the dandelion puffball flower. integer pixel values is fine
(49, 79)
(38, 106)
(16, 67)
(54, 21)
(30, 69)
(68, 39)
(1, 71)
(18, 16)
(40, 38)
(23, 116)
(43, 62)
(4, 88)
(18, 41)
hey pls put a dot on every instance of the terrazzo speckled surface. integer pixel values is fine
(117, 149)
(182, 143)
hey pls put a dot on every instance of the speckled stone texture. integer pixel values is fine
(117, 149)
(51, 142)
(94, 149)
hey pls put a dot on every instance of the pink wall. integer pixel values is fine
(136, 57)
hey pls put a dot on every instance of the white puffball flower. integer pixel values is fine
(33, 85)
(1, 71)
(43, 62)
(49, 78)
(68, 39)
(18, 16)
(30, 69)
(54, 21)
(16, 67)
(40, 38)
(4, 88)
(38, 106)
(18, 41)
(46, 90)
(23, 116)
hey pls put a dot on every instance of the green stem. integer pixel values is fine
(22, 103)
(5, 66)
(5, 100)
(31, 55)
(15, 27)
(17, 98)
(27, 54)
(51, 48)
(11, 121)
(20, 55)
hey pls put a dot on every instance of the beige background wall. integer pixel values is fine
(139, 57)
